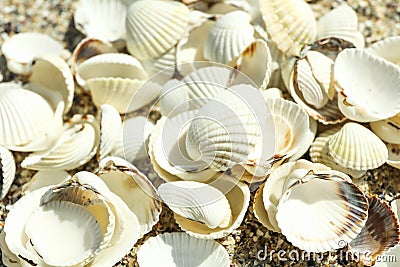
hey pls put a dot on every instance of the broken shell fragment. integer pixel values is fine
(7, 171)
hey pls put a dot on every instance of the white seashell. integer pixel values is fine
(61, 80)
(268, 195)
(7, 171)
(23, 117)
(168, 153)
(299, 212)
(63, 234)
(76, 146)
(7, 257)
(154, 27)
(356, 147)
(341, 22)
(388, 130)
(358, 97)
(110, 130)
(387, 49)
(229, 37)
(182, 250)
(22, 48)
(134, 189)
(255, 62)
(198, 202)
(394, 155)
(162, 66)
(102, 19)
(290, 23)
(238, 196)
(310, 136)
(173, 98)
(44, 179)
(272, 93)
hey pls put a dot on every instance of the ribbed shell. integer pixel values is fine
(387, 49)
(229, 37)
(182, 250)
(154, 27)
(304, 221)
(7, 171)
(388, 130)
(356, 147)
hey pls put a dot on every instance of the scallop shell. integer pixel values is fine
(154, 27)
(76, 146)
(22, 48)
(102, 19)
(56, 229)
(387, 49)
(197, 202)
(238, 195)
(356, 147)
(7, 171)
(380, 233)
(290, 23)
(110, 130)
(44, 179)
(61, 80)
(255, 62)
(182, 250)
(394, 155)
(134, 189)
(168, 153)
(268, 195)
(388, 130)
(164, 65)
(229, 37)
(358, 97)
(341, 22)
(299, 212)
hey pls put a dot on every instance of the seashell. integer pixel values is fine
(272, 93)
(197, 202)
(7, 171)
(56, 229)
(154, 27)
(310, 136)
(268, 195)
(61, 80)
(174, 248)
(387, 49)
(110, 130)
(23, 114)
(290, 23)
(134, 189)
(109, 65)
(44, 179)
(380, 233)
(167, 151)
(229, 37)
(229, 129)
(238, 196)
(88, 48)
(21, 49)
(174, 98)
(292, 127)
(7, 257)
(388, 130)
(340, 22)
(357, 97)
(356, 147)
(228, 6)
(303, 202)
(394, 155)
(164, 65)
(76, 146)
(101, 19)
(255, 55)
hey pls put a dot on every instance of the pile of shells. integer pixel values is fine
(195, 89)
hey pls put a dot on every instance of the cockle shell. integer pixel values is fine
(341, 22)
(102, 19)
(7, 257)
(358, 97)
(198, 202)
(300, 208)
(44, 179)
(238, 196)
(228, 38)
(356, 147)
(182, 250)
(380, 233)
(174, 98)
(290, 23)
(387, 49)
(164, 65)
(110, 130)
(76, 146)
(394, 155)
(388, 130)
(22, 48)
(7, 171)
(154, 27)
